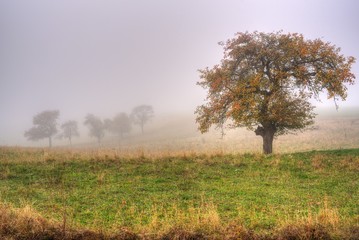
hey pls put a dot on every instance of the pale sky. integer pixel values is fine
(105, 57)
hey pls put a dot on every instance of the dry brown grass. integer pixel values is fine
(317, 161)
(26, 224)
(5, 173)
(350, 162)
(24, 154)
(325, 224)
(198, 223)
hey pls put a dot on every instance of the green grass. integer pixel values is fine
(108, 192)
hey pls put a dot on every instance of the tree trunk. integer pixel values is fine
(70, 137)
(267, 134)
(268, 142)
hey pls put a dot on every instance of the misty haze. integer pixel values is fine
(179, 119)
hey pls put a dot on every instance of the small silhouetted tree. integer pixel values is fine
(44, 126)
(119, 125)
(96, 126)
(265, 81)
(141, 115)
(69, 130)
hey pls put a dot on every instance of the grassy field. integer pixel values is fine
(186, 196)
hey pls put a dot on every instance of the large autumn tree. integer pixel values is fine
(265, 81)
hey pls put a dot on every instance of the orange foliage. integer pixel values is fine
(266, 80)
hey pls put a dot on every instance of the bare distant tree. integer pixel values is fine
(141, 115)
(44, 126)
(96, 126)
(119, 125)
(69, 130)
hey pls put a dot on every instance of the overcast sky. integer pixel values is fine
(105, 57)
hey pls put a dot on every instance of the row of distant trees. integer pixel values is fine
(45, 125)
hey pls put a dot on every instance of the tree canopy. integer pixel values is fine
(141, 115)
(44, 126)
(69, 130)
(265, 81)
(96, 126)
(120, 124)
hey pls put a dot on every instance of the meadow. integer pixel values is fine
(174, 183)
(102, 194)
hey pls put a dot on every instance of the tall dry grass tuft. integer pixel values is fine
(160, 220)
(325, 224)
(303, 231)
(25, 223)
(328, 216)
(192, 223)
